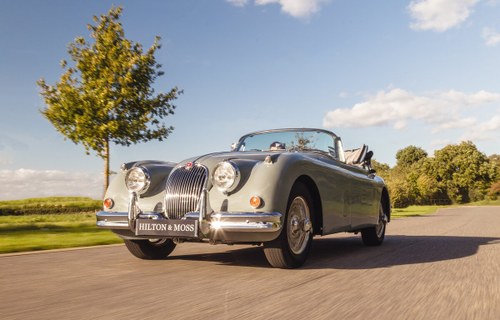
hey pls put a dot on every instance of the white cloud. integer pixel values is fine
(439, 143)
(484, 130)
(27, 183)
(455, 124)
(439, 15)
(295, 8)
(238, 3)
(396, 107)
(491, 37)
(393, 107)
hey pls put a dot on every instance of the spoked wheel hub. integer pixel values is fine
(299, 225)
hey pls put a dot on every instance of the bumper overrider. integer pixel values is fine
(200, 224)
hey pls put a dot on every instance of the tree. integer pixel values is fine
(107, 96)
(465, 172)
(410, 155)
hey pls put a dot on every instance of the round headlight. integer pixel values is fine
(137, 180)
(226, 176)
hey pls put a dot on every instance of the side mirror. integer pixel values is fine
(233, 146)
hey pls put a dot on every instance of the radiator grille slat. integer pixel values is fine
(183, 190)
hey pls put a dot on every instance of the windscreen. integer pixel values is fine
(289, 141)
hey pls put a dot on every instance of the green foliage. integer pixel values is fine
(457, 173)
(494, 192)
(107, 96)
(409, 156)
(51, 205)
(465, 172)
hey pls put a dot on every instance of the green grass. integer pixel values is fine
(414, 211)
(485, 203)
(43, 232)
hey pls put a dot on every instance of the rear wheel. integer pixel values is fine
(374, 236)
(291, 248)
(150, 249)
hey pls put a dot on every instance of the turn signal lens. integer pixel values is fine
(255, 202)
(108, 203)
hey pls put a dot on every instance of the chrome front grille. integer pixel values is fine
(183, 190)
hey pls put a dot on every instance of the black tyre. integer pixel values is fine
(292, 247)
(374, 236)
(149, 249)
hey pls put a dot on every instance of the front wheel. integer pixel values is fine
(150, 249)
(374, 236)
(291, 248)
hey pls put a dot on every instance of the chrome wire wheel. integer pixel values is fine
(299, 225)
(374, 236)
(382, 222)
(291, 248)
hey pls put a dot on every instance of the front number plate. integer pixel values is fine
(166, 228)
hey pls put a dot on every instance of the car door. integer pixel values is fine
(362, 200)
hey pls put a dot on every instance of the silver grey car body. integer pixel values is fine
(276, 188)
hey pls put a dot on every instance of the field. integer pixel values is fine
(42, 224)
(51, 223)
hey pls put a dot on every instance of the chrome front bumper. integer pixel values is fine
(218, 226)
(224, 227)
(227, 221)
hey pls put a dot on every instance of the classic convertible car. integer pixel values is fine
(275, 188)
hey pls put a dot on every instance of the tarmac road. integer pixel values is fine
(443, 266)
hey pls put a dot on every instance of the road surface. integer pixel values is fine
(443, 266)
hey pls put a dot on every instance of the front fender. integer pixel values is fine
(152, 200)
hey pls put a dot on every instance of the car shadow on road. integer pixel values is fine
(397, 250)
(237, 256)
(350, 253)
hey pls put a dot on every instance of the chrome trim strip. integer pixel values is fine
(242, 221)
(228, 226)
(112, 220)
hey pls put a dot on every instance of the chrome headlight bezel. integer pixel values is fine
(138, 180)
(226, 176)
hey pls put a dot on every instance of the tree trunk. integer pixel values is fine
(106, 166)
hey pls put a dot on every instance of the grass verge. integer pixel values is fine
(485, 203)
(414, 211)
(43, 232)
(50, 205)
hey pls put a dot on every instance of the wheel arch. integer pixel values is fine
(316, 198)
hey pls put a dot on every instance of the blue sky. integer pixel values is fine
(385, 73)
